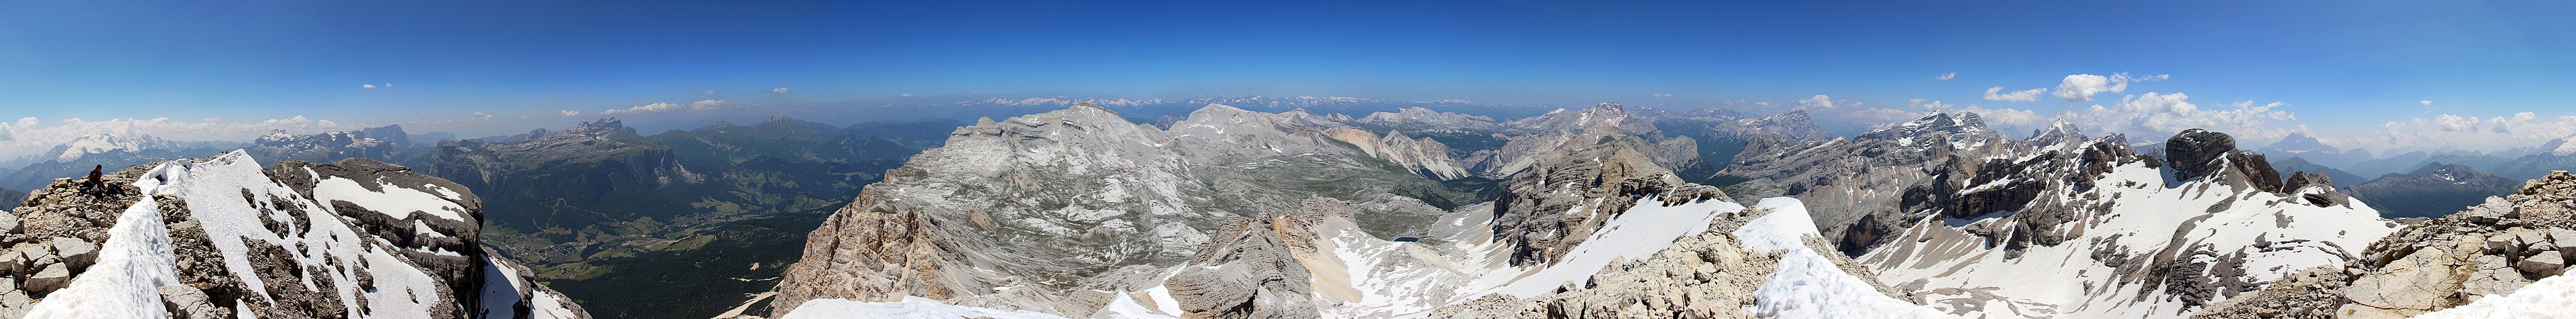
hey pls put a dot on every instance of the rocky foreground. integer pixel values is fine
(2491, 249)
(227, 239)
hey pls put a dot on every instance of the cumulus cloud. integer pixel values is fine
(370, 85)
(1820, 101)
(2016, 96)
(639, 109)
(2082, 87)
(708, 105)
(707, 92)
(1946, 76)
(2155, 113)
(2452, 131)
(1663, 95)
(571, 113)
(778, 90)
(30, 135)
(2426, 102)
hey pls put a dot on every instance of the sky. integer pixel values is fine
(2379, 74)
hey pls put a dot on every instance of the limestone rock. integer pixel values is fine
(52, 277)
(190, 303)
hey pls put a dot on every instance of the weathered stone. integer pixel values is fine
(2500, 243)
(2493, 276)
(2547, 263)
(2533, 240)
(2402, 284)
(53, 277)
(189, 303)
(79, 253)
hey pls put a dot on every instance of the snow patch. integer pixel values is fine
(2547, 298)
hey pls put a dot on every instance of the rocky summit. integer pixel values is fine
(221, 237)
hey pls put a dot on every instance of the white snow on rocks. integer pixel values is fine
(136, 260)
(1644, 229)
(1807, 285)
(909, 308)
(2547, 298)
(343, 189)
(2277, 236)
(215, 192)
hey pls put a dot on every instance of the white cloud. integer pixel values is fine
(1947, 76)
(1819, 101)
(1663, 95)
(2426, 102)
(647, 108)
(29, 135)
(2016, 96)
(708, 105)
(371, 86)
(2452, 131)
(707, 92)
(2082, 87)
(571, 113)
(778, 90)
(907, 95)
(2152, 113)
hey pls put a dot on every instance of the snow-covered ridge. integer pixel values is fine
(107, 142)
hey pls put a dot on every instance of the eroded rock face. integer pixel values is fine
(1550, 209)
(1246, 271)
(2198, 153)
(2489, 249)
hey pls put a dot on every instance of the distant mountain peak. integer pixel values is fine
(107, 142)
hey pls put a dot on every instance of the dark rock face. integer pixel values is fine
(2195, 152)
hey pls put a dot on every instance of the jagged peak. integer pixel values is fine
(1606, 106)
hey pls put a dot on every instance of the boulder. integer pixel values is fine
(53, 277)
(185, 302)
(2194, 152)
(2546, 263)
(79, 253)
(2402, 283)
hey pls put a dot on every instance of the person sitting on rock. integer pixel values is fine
(94, 186)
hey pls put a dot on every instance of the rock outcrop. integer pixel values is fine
(2489, 249)
(1550, 208)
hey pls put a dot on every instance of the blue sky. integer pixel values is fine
(2340, 67)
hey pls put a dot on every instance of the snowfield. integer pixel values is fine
(1807, 285)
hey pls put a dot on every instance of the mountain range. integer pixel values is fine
(1283, 208)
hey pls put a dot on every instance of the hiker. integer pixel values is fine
(93, 186)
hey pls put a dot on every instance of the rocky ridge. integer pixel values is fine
(2490, 249)
(364, 238)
